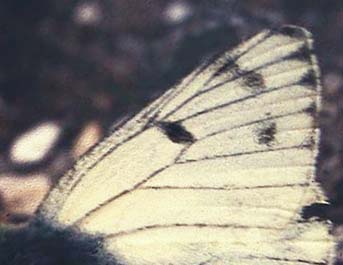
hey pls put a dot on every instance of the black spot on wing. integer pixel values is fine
(302, 54)
(266, 134)
(176, 132)
(309, 142)
(309, 79)
(311, 109)
(316, 210)
(254, 80)
(250, 79)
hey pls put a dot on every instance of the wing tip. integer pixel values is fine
(294, 31)
(312, 78)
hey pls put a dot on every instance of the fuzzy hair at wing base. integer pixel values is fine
(43, 244)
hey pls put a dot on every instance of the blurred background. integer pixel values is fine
(70, 69)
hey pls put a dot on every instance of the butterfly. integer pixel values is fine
(218, 170)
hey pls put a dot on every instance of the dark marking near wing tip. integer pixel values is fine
(266, 134)
(316, 210)
(303, 54)
(313, 112)
(251, 79)
(254, 80)
(312, 109)
(309, 79)
(293, 32)
(310, 143)
(176, 132)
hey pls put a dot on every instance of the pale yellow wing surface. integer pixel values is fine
(216, 171)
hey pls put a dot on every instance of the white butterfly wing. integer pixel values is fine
(216, 171)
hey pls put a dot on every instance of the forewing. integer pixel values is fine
(216, 171)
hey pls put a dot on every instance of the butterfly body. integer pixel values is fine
(215, 171)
